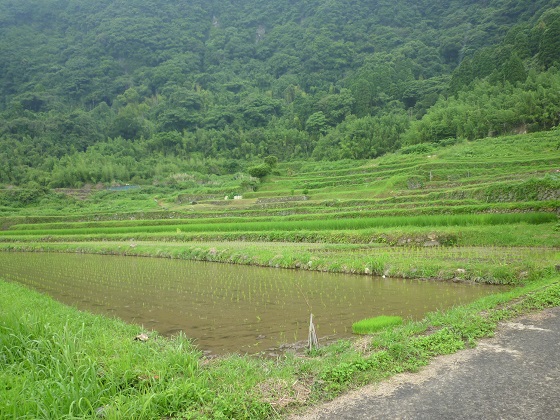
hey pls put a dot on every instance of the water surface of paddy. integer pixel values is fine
(228, 308)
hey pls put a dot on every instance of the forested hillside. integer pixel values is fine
(139, 91)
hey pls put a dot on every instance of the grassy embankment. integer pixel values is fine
(483, 211)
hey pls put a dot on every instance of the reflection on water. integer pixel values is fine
(227, 308)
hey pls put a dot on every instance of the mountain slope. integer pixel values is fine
(222, 80)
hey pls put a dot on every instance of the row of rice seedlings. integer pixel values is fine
(203, 292)
(318, 223)
(352, 208)
(500, 235)
(389, 207)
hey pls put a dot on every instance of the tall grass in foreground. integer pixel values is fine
(56, 362)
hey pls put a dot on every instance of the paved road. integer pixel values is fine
(514, 375)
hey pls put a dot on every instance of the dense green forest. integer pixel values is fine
(140, 91)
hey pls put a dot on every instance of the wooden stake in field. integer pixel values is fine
(313, 342)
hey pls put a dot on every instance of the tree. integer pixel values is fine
(271, 161)
(336, 106)
(129, 124)
(513, 70)
(167, 143)
(316, 124)
(549, 48)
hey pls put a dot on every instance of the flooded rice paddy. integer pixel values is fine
(228, 308)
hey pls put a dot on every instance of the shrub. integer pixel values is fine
(259, 171)
(416, 149)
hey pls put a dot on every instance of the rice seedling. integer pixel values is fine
(371, 325)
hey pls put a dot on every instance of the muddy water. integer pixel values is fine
(227, 308)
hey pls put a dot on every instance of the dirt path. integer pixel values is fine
(514, 375)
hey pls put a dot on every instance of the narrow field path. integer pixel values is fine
(514, 375)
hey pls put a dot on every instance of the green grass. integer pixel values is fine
(58, 362)
(371, 325)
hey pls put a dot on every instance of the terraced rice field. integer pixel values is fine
(478, 212)
(500, 193)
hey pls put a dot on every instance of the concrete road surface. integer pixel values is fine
(514, 375)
